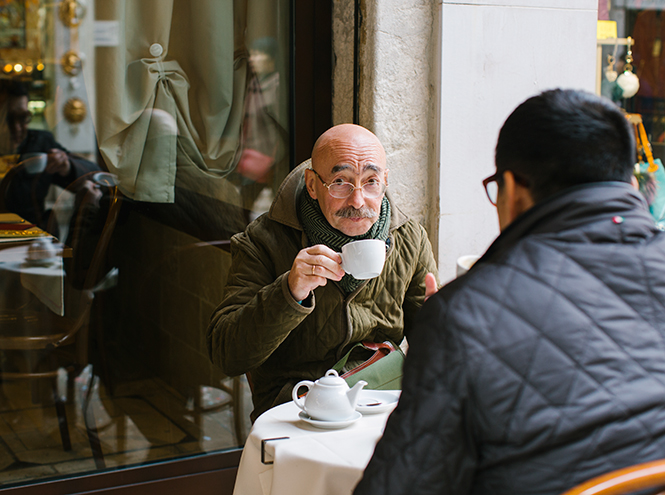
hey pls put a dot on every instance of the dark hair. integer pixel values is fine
(13, 89)
(562, 138)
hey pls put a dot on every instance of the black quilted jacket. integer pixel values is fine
(544, 365)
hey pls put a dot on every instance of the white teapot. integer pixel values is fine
(329, 398)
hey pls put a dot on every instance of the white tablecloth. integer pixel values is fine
(44, 281)
(311, 461)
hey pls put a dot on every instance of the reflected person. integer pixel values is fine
(289, 311)
(542, 367)
(27, 192)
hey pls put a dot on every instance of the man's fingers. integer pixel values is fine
(430, 285)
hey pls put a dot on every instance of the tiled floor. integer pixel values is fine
(142, 422)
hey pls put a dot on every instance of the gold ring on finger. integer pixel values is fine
(313, 269)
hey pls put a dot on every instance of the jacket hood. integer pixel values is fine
(284, 210)
(584, 209)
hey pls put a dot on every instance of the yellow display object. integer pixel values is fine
(606, 29)
(642, 141)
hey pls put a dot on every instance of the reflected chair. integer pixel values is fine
(646, 476)
(50, 342)
(4, 186)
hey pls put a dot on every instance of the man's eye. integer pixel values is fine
(339, 181)
(373, 182)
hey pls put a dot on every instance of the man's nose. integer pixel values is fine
(357, 200)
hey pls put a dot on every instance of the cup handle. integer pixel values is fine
(300, 401)
(346, 270)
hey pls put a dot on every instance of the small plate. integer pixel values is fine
(105, 179)
(330, 425)
(377, 401)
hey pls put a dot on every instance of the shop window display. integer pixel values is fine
(642, 23)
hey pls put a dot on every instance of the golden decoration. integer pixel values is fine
(75, 110)
(71, 63)
(71, 13)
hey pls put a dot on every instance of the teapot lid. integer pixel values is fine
(331, 378)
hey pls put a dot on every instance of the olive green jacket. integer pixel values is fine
(260, 328)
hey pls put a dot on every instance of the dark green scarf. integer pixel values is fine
(319, 231)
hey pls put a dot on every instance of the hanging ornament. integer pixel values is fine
(628, 81)
(75, 110)
(610, 74)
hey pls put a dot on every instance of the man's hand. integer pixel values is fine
(430, 285)
(312, 268)
(88, 193)
(58, 162)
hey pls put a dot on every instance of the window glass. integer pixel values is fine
(136, 137)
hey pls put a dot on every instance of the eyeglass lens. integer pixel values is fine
(371, 189)
(492, 189)
(22, 118)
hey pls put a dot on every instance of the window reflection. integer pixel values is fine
(122, 178)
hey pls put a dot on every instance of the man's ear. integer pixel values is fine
(310, 179)
(515, 198)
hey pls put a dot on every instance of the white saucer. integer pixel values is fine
(377, 401)
(330, 425)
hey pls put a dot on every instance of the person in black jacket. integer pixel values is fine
(27, 192)
(544, 365)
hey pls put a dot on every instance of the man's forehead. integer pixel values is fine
(18, 103)
(357, 168)
(354, 157)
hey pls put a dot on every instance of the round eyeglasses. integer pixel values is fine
(23, 118)
(371, 189)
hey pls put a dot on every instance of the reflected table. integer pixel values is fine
(284, 454)
(43, 278)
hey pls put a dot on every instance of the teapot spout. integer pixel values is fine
(352, 394)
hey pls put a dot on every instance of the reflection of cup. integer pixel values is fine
(364, 259)
(34, 163)
(41, 249)
(464, 263)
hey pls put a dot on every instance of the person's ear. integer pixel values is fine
(515, 199)
(310, 179)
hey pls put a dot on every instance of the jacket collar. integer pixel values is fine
(284, 209)
(577, 208)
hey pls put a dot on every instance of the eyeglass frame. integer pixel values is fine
(498, 178)
(327, 186)
(24, 118)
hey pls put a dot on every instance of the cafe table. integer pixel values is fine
(286, 455)
(42, 277)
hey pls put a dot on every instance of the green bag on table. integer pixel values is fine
(378, 363)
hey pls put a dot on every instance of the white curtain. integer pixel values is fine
(172, 93)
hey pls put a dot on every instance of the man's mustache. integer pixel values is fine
(351, 212)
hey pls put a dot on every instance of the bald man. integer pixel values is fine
(289, 312)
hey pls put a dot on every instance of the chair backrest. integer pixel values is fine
(97, 261)
(4, 186)
(650, 475)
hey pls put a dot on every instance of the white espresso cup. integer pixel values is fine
(464, 263)
(34, 163)
(364, 259)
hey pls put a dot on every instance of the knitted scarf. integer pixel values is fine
(319, 231)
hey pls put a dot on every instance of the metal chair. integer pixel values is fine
(650, 475)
